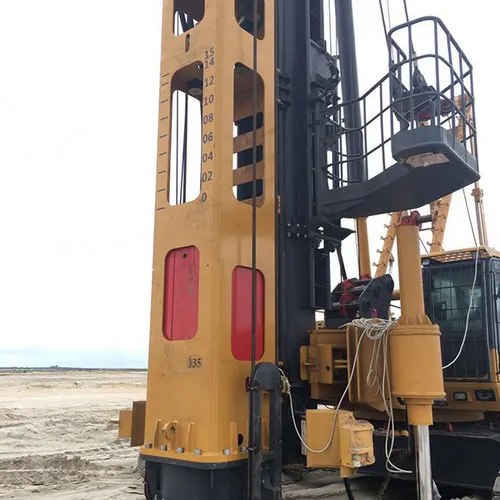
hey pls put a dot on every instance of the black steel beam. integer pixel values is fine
(357, 171)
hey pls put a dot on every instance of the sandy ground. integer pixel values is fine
(58, 440)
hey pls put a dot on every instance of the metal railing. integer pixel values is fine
(430, 88)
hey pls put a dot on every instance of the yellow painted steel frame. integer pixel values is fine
(415, 349)
(439, 211)
(203, 409)
(364, 247)
(386, 256)
(351, 446)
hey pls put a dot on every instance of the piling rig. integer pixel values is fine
(242, 379)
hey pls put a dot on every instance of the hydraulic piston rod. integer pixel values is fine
(423, 462)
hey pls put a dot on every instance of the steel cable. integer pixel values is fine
(251, 431)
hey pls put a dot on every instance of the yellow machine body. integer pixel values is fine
(235, 61)
(351, 446)
(415, 378)
(415, 349)
(197, 402)
(197, 405)
(329, 349)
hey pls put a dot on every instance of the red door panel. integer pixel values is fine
(241, 314)
(180, 313)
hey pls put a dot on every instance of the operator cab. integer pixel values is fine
(460, 300)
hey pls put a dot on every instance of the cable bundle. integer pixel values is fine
(377, 330)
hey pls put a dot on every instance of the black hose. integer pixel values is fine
(348, 489)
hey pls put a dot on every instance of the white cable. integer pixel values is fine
(473, 287)
(468, 313)
(376, 330)
(288, 389)
(470, 218)
(390, 413)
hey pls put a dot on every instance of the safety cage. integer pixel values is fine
(414, 138)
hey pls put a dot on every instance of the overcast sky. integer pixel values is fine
(78, 122)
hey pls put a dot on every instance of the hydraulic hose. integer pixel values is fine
(348, 489)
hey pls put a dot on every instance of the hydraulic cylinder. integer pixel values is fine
(415, 351)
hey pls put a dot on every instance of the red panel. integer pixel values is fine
(180, 309)
(241, 314)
